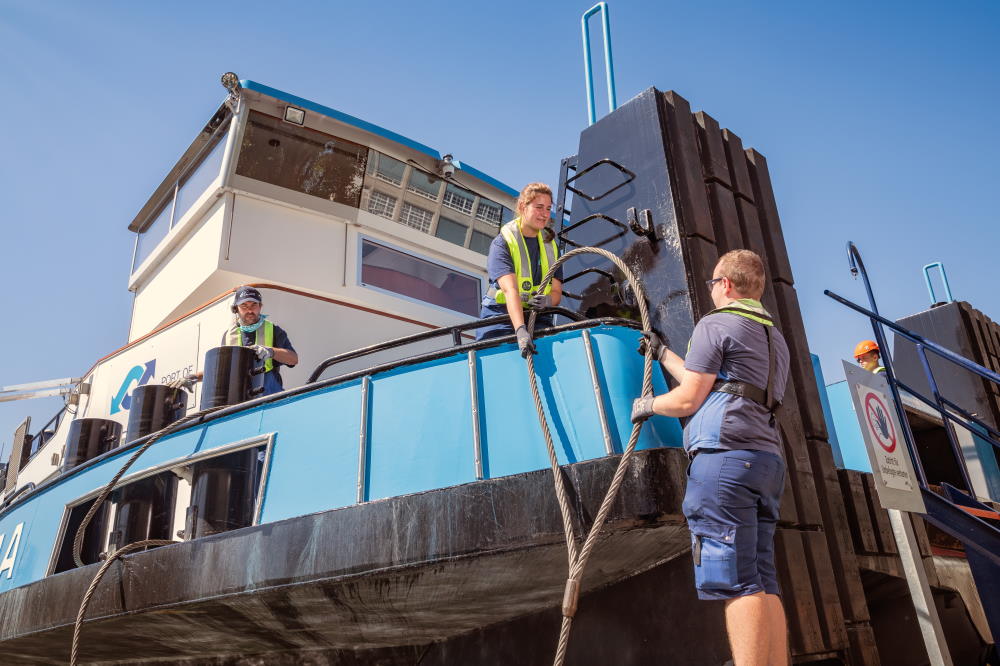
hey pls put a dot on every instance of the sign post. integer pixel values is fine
(898, 491)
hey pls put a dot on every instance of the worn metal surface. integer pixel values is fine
(403, 571)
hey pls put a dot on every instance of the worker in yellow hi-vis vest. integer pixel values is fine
(519, 257)
(252, 329)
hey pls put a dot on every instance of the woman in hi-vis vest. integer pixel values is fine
(519, 258)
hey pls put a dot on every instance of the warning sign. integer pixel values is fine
(885, 440)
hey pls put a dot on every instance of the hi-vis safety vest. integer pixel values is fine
(235, 339)
(517, 244)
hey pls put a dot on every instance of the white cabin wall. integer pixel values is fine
(174, 287)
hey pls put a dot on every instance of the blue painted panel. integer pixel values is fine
(314, 460)
(420, 428)
(850, 446)
(619, 367)
(827, 414)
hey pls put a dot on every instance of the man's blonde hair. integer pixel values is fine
(745, 270)
(530, 191)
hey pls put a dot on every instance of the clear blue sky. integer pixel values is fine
(878, 120)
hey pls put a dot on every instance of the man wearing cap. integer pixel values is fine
(867, 354)
(268, 340)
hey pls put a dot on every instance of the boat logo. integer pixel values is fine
(139, 374)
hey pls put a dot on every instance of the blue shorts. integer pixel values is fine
(731, 505)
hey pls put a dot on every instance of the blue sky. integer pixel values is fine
(878, 121)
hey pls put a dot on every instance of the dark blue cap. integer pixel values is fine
(244, 294)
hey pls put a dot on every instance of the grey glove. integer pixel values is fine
(524, 342)
(263, 353)
(642, 408)
(651, 339)
(186, 383)
(539, 301)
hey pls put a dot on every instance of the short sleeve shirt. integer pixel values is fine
(499, 262)
(735, 348)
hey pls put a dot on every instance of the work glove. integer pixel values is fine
(262, 352)
(539, 301)
(524, 342)
(642, 408)
(651, 339)
(186, 383)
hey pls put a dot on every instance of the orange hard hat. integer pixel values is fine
(864, 347)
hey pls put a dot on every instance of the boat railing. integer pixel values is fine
(455, 332)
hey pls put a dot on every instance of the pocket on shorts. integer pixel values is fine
(713, 549)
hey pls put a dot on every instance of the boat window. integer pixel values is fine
(416, 217)
(424, 184)
(480, 242)
(489, 211)
(302, 159)
(388, 168)
(451, 231)
(380, 203)
(401, 273)
(154, 233)
(198, 180)
(459, 199)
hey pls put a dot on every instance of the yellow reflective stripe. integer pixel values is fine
(235, 339)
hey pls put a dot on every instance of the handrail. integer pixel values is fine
(588, 67)
(944, 281)
(454, 331)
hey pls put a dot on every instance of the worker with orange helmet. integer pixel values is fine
(866, 353)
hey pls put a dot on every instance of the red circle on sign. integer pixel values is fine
(873, 405)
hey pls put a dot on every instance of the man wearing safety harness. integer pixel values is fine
(519, 258)
(730, 383)
(268, 340)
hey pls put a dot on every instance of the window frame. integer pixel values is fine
(359, 266)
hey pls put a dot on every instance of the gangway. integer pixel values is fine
(955, 511)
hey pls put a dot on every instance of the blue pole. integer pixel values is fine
(944, 281)
(588, 67)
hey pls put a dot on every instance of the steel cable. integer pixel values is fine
(578, 559)
(108, 489)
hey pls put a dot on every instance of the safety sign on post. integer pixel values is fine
(890, 460)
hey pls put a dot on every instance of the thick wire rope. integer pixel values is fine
(108, 489)
(578, 559)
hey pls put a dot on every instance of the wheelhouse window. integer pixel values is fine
(424, 184)
(387, 268)
(301, 159)
(389, 169)
(459, 199)
(489, 211)
(380, 203)
(416, 217)
(451, 231)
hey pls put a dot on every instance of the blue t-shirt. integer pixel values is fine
(499, 262)
(735, 348)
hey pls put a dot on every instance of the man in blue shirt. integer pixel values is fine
(730, 384)
(268, 340)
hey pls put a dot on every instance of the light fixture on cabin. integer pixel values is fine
(231, 82)
(295, 115)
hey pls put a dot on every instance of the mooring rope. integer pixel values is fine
(578, 559)
(108, 489)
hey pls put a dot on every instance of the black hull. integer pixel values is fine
(382, 579)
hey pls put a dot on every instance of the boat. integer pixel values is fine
(395, 502)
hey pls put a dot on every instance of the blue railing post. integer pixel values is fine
(944, 281)
(608, 61)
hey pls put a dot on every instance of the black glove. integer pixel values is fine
(651, 339)
(642, 408)
(539, 301)
(524, 342)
